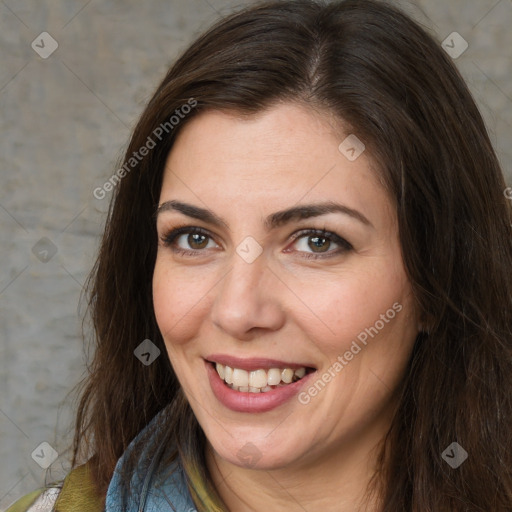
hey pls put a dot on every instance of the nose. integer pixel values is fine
(247, 300)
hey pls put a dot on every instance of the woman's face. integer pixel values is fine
(252, 282)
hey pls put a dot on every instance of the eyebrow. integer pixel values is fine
(274, 220)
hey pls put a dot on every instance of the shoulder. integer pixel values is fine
(76, 493)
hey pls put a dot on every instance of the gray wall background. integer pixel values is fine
(64, 122)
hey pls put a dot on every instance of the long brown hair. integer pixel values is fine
(391, 83)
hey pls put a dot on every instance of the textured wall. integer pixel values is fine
(64, 121)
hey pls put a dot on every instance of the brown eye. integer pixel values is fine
(318, 244)
(188, 240)
(197, 241)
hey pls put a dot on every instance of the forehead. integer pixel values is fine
(284, 155)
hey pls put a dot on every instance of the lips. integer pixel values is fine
(255, 385)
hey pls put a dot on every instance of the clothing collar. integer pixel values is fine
(152, 488)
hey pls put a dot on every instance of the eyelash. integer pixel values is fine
(169, 238)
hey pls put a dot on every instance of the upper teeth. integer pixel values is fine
(257, 380)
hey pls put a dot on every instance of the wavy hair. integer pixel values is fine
(389, 81)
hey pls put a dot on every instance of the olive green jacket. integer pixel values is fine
(77, 494)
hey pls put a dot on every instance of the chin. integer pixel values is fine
(253, 453)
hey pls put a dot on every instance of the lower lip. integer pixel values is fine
(252, 402)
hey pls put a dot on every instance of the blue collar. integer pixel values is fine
(152, 488)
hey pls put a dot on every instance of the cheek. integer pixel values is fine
(179, 299)
(335, 309)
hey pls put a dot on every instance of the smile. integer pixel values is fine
(255, 385)
(258, 381)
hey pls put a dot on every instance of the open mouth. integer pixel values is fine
(260, 380)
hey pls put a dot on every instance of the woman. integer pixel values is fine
(302, 297)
